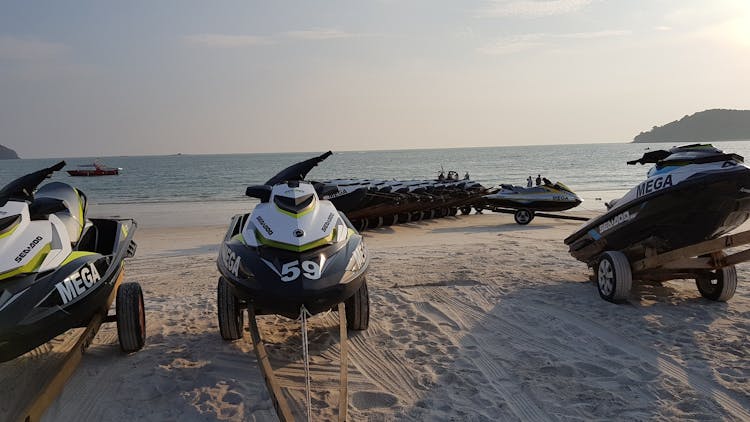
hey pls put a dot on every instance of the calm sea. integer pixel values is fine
(592, 170)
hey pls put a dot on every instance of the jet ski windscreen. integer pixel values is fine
(23, 188)
(297, 171)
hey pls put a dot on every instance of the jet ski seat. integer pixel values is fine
(65, 202)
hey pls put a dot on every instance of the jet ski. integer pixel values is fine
(371, 203)
(58, 268)
(293, 250)
(691, 194)
(527, 200)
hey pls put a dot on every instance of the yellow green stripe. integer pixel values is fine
(35, 262)
(9, 231)
(294, 248)
(306, 210)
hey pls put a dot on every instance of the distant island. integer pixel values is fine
(7, 153)
(704, 126)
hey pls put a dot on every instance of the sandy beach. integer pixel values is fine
(473, 318)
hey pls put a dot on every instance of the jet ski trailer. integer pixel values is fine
(58, 271)
(295, 255)
(673, 225)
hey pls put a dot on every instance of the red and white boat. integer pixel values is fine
(94, 169)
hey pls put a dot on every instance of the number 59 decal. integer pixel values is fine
(292, 270)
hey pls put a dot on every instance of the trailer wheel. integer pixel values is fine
(404, 217)
(523, 216)
(131, 317)
(358, 308)
(721, 287)
(465, 210)
(613, 276)
(231, 320)
(453, 211)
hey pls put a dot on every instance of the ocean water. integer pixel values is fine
(597, 172)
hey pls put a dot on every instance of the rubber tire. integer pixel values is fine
(523, 216)
(465, 210)
(454, 211)
(416, 216)
(231, 316)
(358, 308)
(723, 290)
(613, 277)
(403, 218)
(131, 317)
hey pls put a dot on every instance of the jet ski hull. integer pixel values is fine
(549, 197)
(700, 208)
(531, 204)
(38, 307)
(279, 282)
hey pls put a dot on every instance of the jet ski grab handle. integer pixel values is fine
(22, 189)
(652, 157)
(657, 157)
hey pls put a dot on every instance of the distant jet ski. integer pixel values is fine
(546, 197)
(58, 268)
(692, 193)
(371, 203)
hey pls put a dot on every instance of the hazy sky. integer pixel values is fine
(91, 78)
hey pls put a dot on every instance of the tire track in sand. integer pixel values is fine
(727, 399)
(520, 403)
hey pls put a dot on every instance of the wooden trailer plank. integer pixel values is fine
(343, 382)
(702, 248)
(279, 401)
(736, 258)
(55, 384)
(701, 263)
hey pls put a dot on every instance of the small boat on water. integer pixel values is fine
(94, 169)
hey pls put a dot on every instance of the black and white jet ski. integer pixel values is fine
(58, 268)
(528, 200)
(371, 203)
(293, 250)
(691, 194)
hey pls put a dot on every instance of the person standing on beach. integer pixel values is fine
(538, 179)
(529, 183)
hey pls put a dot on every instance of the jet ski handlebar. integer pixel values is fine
(23, 188)
(262, 192)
